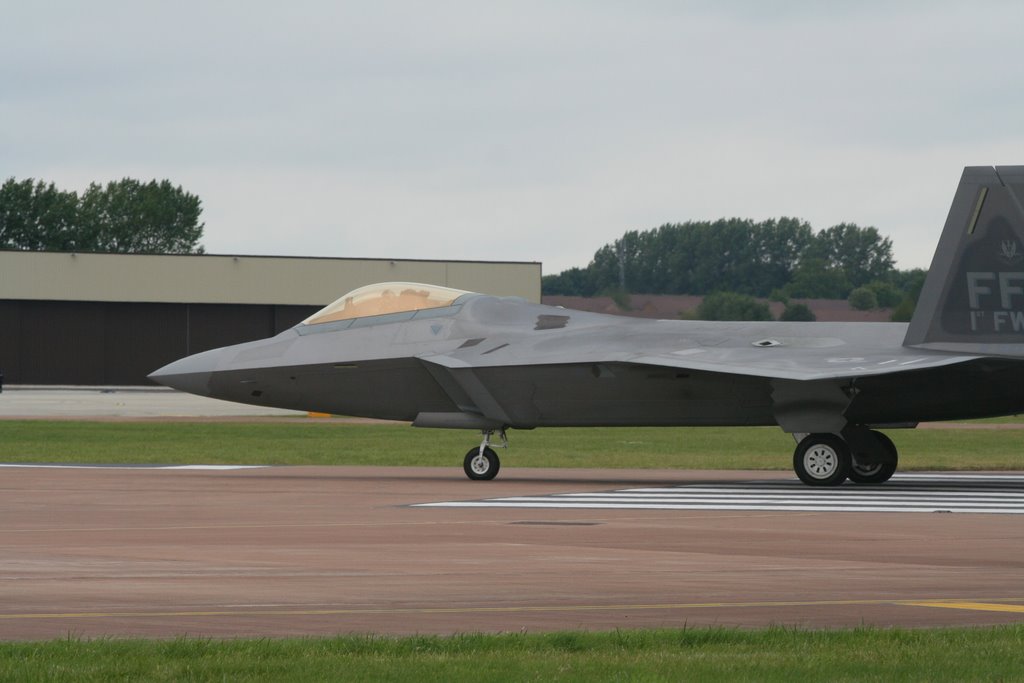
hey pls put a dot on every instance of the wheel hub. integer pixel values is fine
(867, 470)
(821, 461)
(480, 464)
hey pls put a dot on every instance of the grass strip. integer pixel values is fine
(705, 654)
(320, 442)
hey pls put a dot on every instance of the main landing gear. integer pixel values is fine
(862, 455)
(482, 463)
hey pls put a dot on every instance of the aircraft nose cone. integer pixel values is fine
(191, 374)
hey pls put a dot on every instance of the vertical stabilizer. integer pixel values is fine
(973, 297)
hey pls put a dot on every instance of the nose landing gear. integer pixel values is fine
(482, 463)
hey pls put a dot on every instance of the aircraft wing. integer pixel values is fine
(822, 351)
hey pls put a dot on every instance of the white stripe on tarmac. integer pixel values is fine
(643, 506)
(933, 493)
(758, 500)
(826, 494)
(958, 476)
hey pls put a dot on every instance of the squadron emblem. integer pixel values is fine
(1009, 252)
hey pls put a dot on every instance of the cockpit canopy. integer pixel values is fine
(383, 298)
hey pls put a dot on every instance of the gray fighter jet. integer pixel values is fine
(439, 357)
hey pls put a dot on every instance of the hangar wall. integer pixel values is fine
(242, 279)
(110, 319)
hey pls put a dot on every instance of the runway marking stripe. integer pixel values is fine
(684, 506)
(978, 494)
(959, 475)
(484, 610)
(768, 497)
(805, 492)
(982, 606)
(757, 500)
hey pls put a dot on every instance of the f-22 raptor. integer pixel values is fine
(440, 357)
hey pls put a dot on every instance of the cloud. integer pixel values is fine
(532, 131)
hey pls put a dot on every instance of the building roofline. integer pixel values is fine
(273, 256)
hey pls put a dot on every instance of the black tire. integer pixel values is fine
(877, 473)
(822, 460)
(481, 467)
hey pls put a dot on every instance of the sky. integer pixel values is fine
(524, 131)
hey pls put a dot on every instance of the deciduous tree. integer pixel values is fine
(128, 216)
(37, 216)
(125, 216)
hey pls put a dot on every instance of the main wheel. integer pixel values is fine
(877, 472)
(822, 460)
(481, 466)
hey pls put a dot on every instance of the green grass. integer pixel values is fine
(322, 442)
(705, 654)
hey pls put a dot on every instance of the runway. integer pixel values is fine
(318, 551)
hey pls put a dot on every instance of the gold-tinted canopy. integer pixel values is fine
(383, 298)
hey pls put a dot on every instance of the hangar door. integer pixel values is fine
(102, 343)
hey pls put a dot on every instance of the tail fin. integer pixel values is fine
(973, 297)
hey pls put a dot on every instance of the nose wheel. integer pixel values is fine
(482, 463)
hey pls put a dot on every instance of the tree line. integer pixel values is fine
(125, 216)
(778, 258)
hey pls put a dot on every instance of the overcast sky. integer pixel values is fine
(532, 131)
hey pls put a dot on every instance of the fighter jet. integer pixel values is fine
(442, 357)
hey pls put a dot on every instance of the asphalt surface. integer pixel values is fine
(315, 551)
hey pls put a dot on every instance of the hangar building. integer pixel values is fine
(110, 319)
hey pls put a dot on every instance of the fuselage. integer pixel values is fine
(526, 365)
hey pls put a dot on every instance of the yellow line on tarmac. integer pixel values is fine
(493, 610)
(983, 606)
